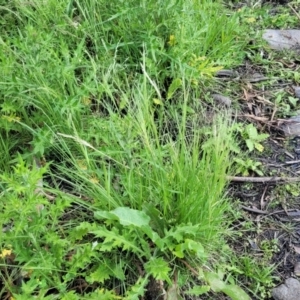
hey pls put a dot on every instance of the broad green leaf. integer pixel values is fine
(195, 247)
(214, 281)
(198, 290)
(125, 215)
(179, 250)
(191, 245)
(251, 131)
(128, 216)
(176, 83)
(235, 292)
(250, 144)
(155, 238)
(157, 222)
(100, 215)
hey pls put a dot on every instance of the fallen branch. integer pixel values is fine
(263, 179)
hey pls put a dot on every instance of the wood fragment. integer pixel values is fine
(263, 119)
(255, 210)
(263, 179)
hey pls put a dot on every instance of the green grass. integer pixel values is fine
(102, 104)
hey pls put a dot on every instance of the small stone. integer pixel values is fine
(291, 127)
(282, 39)
(297, 91)
(221, 100)
(297, 268)
(226, 73)
(290, 290)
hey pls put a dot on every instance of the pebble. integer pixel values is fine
(282, 39)
(221, 100)
(291, 127)
(297, 91)
(290, 290)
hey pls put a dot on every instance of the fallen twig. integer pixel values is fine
(293, 9)
(263, 179)
(255, 210)
(288, 212)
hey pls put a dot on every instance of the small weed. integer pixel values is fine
(269, 248)
(244, 166)
(257, 273)
(251, 137)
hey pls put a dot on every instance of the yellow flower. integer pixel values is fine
(172, 40)
(157, 101)
(5, 252)
(11, 118)
(86, 101)
(251, 20)
(94, 180)
(82, 164)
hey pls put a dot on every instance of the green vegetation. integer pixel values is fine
(113, 178)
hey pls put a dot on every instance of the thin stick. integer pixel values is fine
(255, 210)
(262, 202)
(293, 9)
(289, 212)
(263, 179)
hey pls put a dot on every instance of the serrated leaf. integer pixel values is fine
(69, 296)
(81, 230)
(113, 239)
(180, 232)
(137, 290)
(128, 216)
(119, 272)
(159, 269)
(198, 290)
(262, 137)
(107, 246)
(102, 273)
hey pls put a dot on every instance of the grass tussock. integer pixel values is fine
(110, 176)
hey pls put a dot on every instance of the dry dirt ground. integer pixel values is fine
(271, 207)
